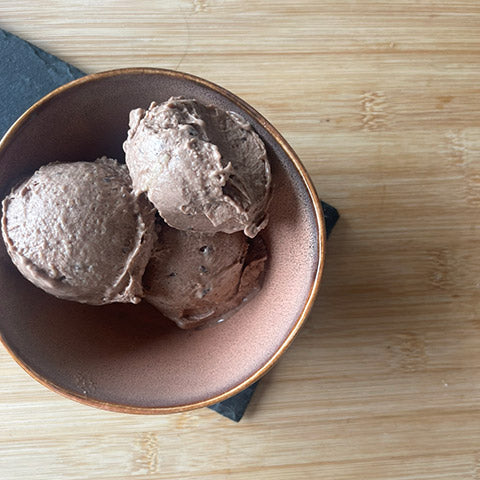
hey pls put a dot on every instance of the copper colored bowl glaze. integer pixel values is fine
(128, 358)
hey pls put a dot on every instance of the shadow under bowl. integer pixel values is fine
(129, 358)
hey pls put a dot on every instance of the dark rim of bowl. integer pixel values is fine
(7, 138)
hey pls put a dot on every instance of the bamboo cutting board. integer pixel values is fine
(381, 101)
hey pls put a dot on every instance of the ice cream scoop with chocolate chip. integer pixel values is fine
(195, 278)
(77, 231)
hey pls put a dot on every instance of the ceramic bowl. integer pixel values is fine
(129, 358)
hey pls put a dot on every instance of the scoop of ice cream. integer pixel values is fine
(203, 168)
(194, 278)
(77, 231)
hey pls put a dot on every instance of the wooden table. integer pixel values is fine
(381, 100)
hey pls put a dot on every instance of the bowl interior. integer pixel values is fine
(128, 355)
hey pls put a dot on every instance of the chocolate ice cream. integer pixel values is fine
(77, 231)
(85, 231)
(195, 278)
(204, 169)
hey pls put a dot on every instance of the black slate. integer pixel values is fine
(331, 217)
(28, 73)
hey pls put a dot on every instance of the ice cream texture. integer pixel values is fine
(196, 278)
(77, 231)
(204, 169)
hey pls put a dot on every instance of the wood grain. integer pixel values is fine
(381, 100)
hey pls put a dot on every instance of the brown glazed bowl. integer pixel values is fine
(128, 358)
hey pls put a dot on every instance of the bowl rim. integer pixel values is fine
(320, 223)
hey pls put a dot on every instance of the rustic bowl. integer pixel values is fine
(128, 358)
